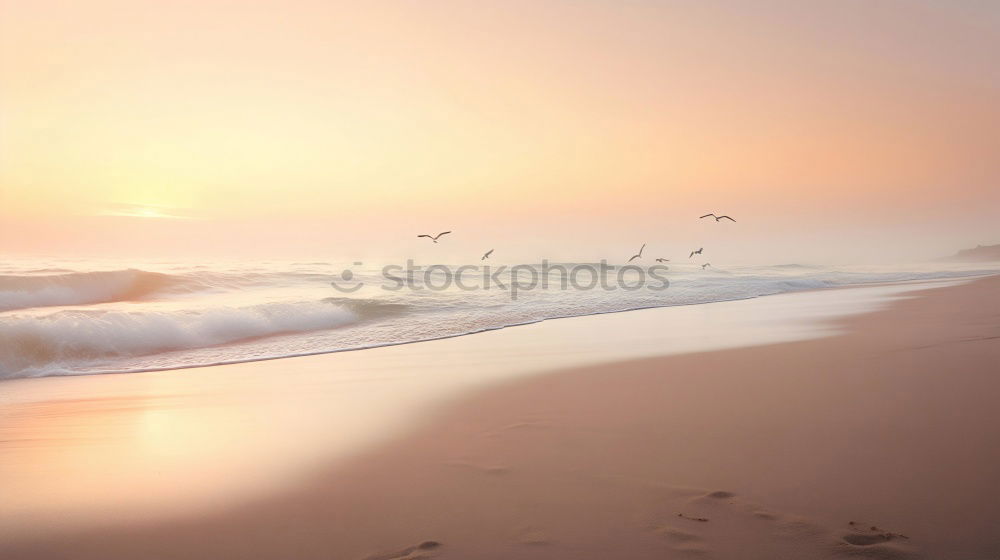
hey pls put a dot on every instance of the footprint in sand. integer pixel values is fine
(421, 551)
(878, 550)
(873, 542)
(782, 533)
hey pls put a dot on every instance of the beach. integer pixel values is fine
(499, 280)
(869, 432)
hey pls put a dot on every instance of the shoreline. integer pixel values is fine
(480, 475)
(920, 281)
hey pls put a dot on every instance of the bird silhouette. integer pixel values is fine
(487, 255)
(434, 238)
(698, 252)
(637, 255)
(662, 260)
(705, 265)
(717, 218)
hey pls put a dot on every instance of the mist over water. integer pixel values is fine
(65, 317)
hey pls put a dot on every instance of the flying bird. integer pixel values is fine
(434, 238)
(662, 260)
(717, 218)
(705, 265)
(487, 255)
(698, 252)
(637, 255)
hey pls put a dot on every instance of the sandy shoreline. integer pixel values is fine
(891, 424)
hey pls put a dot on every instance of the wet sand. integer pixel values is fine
(770, 451)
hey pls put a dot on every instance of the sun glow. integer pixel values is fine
(139, 211)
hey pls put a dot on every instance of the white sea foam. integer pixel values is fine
(81, 288)
(184, 316)
(37, 345)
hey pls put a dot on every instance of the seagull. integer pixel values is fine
(434, 238)
(698, 252)
(717, 218)
(705, 265)
(637, 255)
(487, 255)
(662, 260)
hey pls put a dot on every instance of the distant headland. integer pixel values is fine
(978, 253)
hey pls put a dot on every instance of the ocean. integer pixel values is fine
(74, 316)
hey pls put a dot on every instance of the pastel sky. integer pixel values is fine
(846, 130)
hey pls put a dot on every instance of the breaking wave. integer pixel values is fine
(38, 344)
(84, 288)
(138, 320)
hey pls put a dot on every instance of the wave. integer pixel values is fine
(792, 266)
(366, 308)
(30, 290)
(204, 330)
(37, 345)
(84, 288)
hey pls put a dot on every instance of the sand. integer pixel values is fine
(879, 442)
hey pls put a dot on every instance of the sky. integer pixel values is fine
(847, 131)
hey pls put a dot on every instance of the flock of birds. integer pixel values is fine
(718, 218)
